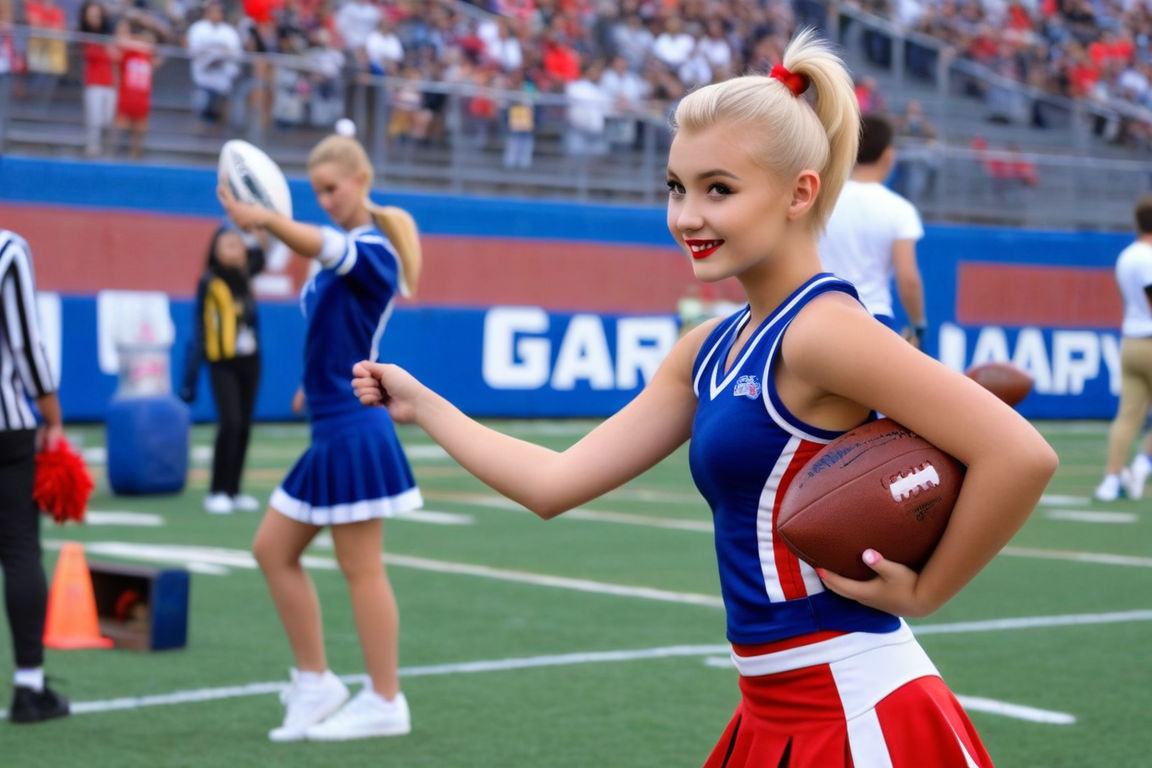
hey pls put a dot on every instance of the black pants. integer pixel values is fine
(234, 384)
(25, 588)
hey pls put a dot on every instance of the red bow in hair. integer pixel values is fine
(62, 485)
(796, 83)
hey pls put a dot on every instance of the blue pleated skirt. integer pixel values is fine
(354, 470)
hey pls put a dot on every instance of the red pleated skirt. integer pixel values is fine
(857, 700)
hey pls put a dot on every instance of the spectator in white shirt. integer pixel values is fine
(355, 20)
(216, 52)
(714, 47)
(626, 91)
(501, 45)
(588, 106)
(633, 40)
(696, 69)
(383, 49)
(673, 46)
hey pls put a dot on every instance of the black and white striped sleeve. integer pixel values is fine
(24, 368)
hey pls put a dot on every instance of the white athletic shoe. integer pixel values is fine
(1138, 476)
(245, 503)
(366, 716)
(308, 703)
(218, 504)
(1110, 487)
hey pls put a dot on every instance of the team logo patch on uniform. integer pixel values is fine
(747, 386)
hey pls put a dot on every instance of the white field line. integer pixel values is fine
(123, 517)
(1015, 711)
(426, 452)
(603, 516)
(435, 518)
(705, 526)
(205, 558)
(709, 652)
(1088, 516)
(542, 580)
(1057, 500)
(1099, 558)
(1033, 622)
(238, 558)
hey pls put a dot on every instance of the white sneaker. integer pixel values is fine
(244, 503)
(307, 704)
(1109, 488)
(218, 504)
(367, 715)
(1138, 476)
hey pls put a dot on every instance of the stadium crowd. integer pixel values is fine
(616, 59)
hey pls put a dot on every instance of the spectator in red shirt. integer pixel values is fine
(138, 61)
(262, 11)
(561, 62)
(1082, 73)
(868, 94)
(99, 76)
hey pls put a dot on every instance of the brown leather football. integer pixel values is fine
(878, 486)
(1008, 382)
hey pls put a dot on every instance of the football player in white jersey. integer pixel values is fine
(871, 236)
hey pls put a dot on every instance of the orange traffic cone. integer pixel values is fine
(72, 621)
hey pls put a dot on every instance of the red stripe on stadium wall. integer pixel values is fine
(81, 252)
(1017, 294)
(77, 251)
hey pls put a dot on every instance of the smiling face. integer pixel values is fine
(728, 212)
(340, 193)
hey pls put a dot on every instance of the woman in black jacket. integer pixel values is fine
(225, 334)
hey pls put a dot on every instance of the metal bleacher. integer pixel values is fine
(1083, 180)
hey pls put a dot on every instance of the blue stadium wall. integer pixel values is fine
(1044, 300)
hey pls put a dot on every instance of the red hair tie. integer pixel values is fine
(796, 83)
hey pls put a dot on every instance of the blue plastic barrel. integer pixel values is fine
(147, 444)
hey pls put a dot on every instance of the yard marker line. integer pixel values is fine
(1032, 622)
(563, 582)
(502, 665)
(235, 558)
(1017, 711)
(426, 452)
(122, 517)
(701, 526)
(565, 659)
(96, 456)
(435, 518)
(212, 559)
(1057, 500)
(1100, 558)
(1088, 516)
(605, 516)
(705, 525)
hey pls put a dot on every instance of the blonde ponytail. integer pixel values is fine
(791, 132)
(835, 106)
(399, 227)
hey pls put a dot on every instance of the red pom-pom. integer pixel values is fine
(63, 484)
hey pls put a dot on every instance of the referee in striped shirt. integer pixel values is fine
(24, 374)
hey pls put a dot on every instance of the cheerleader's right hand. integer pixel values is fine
(387, 385)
